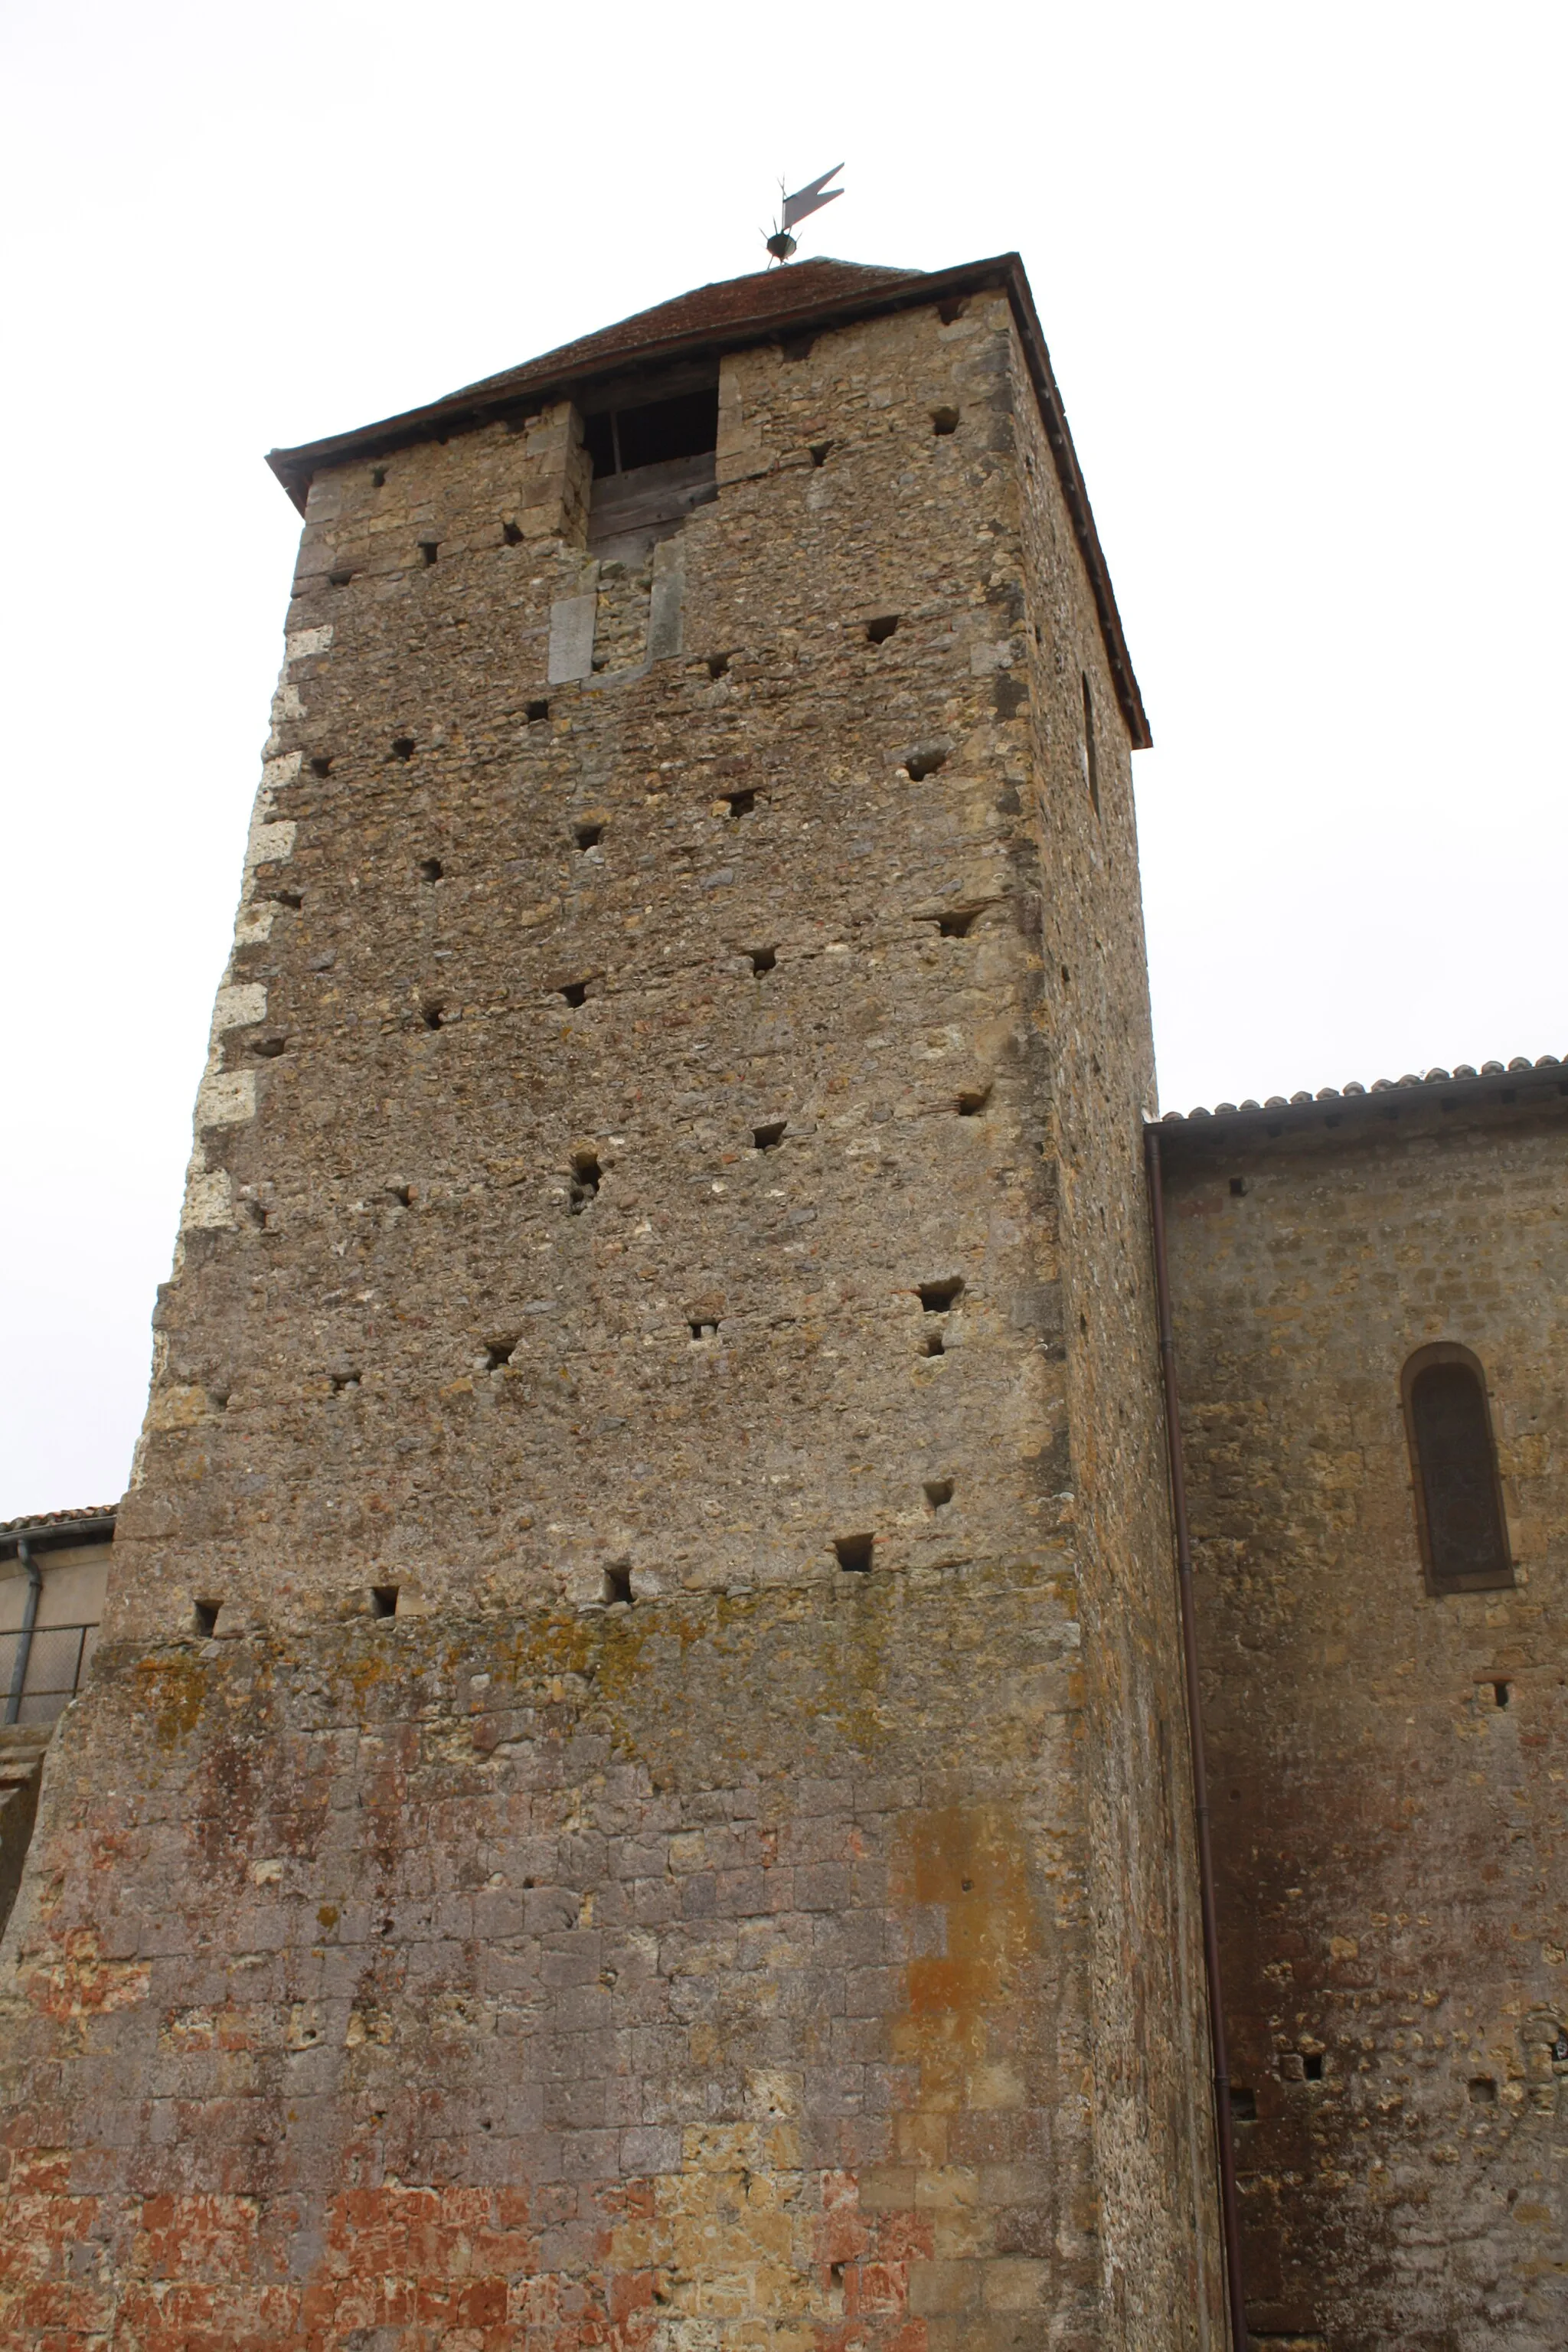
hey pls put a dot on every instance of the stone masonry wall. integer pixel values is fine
(1153, 2105)
(1389, 1836)
(588, 1824)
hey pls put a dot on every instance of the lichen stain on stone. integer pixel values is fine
(173, 1692)
(968, 1861)
(82, 1984)
(448, 2264)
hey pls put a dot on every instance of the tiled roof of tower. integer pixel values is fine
(768, 298)
(1472, 1085)
(726, 315)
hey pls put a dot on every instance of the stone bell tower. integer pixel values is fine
(635, 1787)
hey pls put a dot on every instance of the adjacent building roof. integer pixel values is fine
(1464, 1084)
(727, 316)
(52, 1530)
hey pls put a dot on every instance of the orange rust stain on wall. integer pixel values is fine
(865, 2259)
(82, 1984)
(949, 2238)
(440, 2266)
(195, 2237)
(966, 1861)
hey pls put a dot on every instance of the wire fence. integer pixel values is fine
(56, 1662)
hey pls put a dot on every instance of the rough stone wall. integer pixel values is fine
(22, 1746)
(670, 1924)
(1154, 2108)
(1390, 1839)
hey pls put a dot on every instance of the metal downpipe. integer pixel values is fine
(30, 1619)
(1225, 2133)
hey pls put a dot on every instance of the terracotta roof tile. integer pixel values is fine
(766, 298)
(1462, 1074)
(95, 1519)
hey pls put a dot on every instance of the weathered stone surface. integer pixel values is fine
(1390, 1838)
(665, 1219)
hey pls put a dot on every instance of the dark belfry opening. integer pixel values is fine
(653, 462)
(621, 440)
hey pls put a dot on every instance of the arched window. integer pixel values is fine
(1459, 1503)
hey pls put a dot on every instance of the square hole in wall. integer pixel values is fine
(937, 1298)
(383, 1599)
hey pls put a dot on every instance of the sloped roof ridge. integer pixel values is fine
(721, 302)
(1353, 1089)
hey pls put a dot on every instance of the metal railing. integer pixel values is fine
(57, 1660)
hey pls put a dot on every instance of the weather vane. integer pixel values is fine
(809, 199)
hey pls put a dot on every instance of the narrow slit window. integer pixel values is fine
(1090, 752)
(1459, 1504)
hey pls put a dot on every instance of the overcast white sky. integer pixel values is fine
(1300, 271)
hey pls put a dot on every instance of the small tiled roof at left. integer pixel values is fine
(48, 1530)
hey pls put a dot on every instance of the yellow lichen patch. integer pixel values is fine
(173, 1691)
(729, 2237)
(178, 1408)
(960, 1877)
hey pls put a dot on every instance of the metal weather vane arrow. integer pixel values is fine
(809, 199)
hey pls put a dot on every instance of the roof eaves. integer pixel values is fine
(53, 1530)
(1463, 1085)
(554, 376)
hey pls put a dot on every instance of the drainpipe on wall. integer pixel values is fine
(1225, 2133)
(30, 1619)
